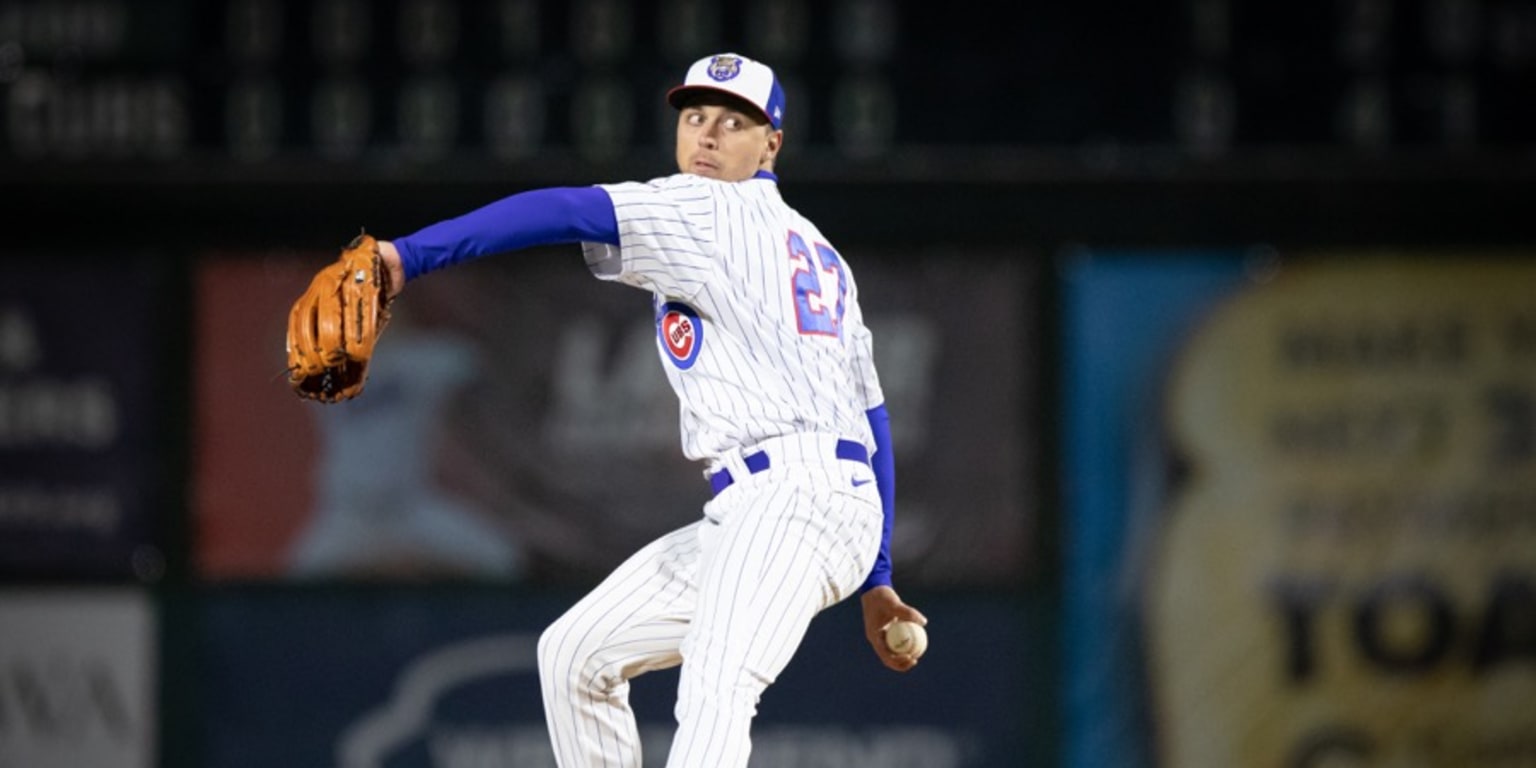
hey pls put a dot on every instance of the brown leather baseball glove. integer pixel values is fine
(334, 325)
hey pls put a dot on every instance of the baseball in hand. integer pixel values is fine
(907, 637)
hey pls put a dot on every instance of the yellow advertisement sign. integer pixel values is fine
(1346, 574)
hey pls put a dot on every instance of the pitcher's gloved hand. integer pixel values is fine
(335, 323)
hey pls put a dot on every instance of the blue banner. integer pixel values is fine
(79, 402)
(395, 678)
(1126, 314)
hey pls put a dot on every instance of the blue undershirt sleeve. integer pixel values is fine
(883, 462)
(523, 220)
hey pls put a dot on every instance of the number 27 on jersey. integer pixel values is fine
(819, 285)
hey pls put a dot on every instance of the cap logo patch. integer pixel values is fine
(724, 67)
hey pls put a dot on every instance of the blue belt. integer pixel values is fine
(757, 462)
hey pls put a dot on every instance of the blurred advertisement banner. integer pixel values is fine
(1327, 551)
(448, 678)
(77, 679)
(79, 403)
(517, 425)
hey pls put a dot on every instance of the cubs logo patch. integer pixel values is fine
(680, 333)
(724, 67)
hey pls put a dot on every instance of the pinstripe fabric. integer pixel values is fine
(729, 597)
(721, 248)
(760, 333)
(632, 623)
(791, 543)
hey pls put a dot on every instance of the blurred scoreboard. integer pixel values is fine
(398, 82)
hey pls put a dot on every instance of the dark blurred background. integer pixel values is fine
(1208, 329)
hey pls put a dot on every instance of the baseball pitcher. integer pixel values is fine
(759, 330)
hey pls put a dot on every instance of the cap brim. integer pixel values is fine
(676, 95)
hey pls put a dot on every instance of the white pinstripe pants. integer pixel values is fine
(729, 597)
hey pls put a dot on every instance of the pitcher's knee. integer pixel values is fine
(556, 657)
(571, 659)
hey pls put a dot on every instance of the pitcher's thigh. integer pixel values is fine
(784, 555)
(631, 623)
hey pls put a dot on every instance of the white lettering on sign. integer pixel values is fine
(88, 510)
(115, 117)
(57, 413)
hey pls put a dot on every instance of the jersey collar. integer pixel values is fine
(766, 175)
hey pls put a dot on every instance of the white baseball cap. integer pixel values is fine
(739, 76)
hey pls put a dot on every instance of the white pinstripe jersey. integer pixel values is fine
(758, 320)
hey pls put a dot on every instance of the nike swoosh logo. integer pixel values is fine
(857, 482)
